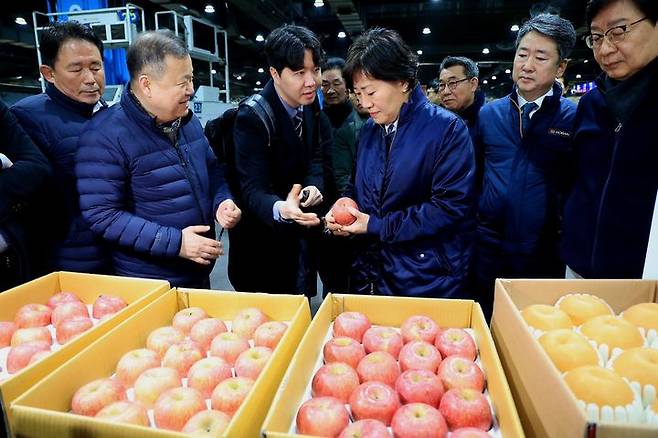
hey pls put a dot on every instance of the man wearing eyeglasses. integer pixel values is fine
(607, 216)
(525, 141)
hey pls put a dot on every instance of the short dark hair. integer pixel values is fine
(286, 46)
(151, 48)
(551, 26)
(334, 63)
(381, 54)
(434, 84)
(470, 67)
(648, 7)
(54, 36)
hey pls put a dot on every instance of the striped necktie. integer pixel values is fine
(297, 123)
(390, 134)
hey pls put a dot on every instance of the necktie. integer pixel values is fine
(297, 123)
(390, 133)
(526, 109)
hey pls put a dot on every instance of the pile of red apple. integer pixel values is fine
(194, 374)
(29, 337)
(421, 381)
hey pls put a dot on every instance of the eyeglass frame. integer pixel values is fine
(611, 37)
(452, 85)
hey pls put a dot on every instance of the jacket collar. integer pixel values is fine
(84, 109)
(470, 114)
(137, 112)
(549, 101)
(416, 99)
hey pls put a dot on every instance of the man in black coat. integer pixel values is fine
(280, 171)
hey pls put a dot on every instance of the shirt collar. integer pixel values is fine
(291, 110)
(394, 124)
(521, 101)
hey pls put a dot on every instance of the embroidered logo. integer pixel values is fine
(559, 133)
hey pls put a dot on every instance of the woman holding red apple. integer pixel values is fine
(413, 180)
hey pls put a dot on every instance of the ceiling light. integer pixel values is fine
(514, 28)
(586, 61)
(427, 31)
(341, 34)
(493, 78)
(578, 76)
(257, 82)
(508, 71)
(420, 52)
(261, 70)
(260, 38)
(20, 20)
(485, 82)
(238, 77)
(209, 9)
(485, 51)
(318, 3)
(213, 71)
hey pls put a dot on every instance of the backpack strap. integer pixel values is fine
(263, 110)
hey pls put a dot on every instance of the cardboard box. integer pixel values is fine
(389, 311)
(547, 407)
(43, 411)
(137, 293)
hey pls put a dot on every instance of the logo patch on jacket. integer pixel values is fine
(559, 133)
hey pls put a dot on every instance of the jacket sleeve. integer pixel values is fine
(103, 178)
(450, 199)
(218, 185)
(320, 163)
(342, 156)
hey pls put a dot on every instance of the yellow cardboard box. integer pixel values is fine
(43, 411)
(546, 405)
(137, 293)
(391, 311)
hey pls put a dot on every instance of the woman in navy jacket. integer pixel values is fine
(413, 179)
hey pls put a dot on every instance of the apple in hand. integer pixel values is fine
(62, 297)
(247, 321)
(175, 407)
(341, 214)
(230, 393)
(160, 339)
(32, 334)
(365, 429)
(70, 328)
(107, 305)
(469, 432)
(7, 329)
(153, 382)
(456, 341)
(418, 420)
(69, 310)
(95, 395)
(336, 380)
(182, 356)
(206, 374)
(382, 339)
(33, 315)
(466, 408)
(351, 324)
(20, 355)
(125, 412)
(419, 386)
(374, 400)
(186, 318)
(134, 363)
(419, 328)
(322, 416)
(343, 349)
(205, 330)
(228, 346)
(251, 362)
(460, 372)
(379, 366)
(269, 334)
(419, 355)
(208, 423)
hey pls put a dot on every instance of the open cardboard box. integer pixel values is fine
(390, 311)
(546, 405)
(136, 291)
(44, 410)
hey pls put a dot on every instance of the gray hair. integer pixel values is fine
(470, 67)
(150, 49)
(551, 26)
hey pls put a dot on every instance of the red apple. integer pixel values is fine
(419, 386)
(95, 395)
(182, 356)
(322, 416)
(374, 400)
(19, 356)
(419, 355)
(125, 412)
(175, 407)
(230, 393)
(418, 420)
(134, 363)
(32, 334)
(228, 346)
(379, 366)
(62, 297)
(460, 372)
(466, 408)
(247, 321)
(70, 328)
(269, 334)
(469, 432)
(7, 329)
(206, 374)
(382, 339)
(365, 429)
(205, 330)
(208, 423)
(351, 324)
(32, 315)
(107, 305)
(341, 214)
(336, 380)
(186, 318)
(343, 349)
(251, 362)
(69, 310)
(36, 357)
(456, 341)
(153, 382)
(419, 328)
(160, 339)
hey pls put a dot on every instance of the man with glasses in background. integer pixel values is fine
(607, 217)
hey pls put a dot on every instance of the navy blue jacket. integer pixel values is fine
(607, 217)
(55, 122)
(419, 198)
(139, 190)
(524, 175)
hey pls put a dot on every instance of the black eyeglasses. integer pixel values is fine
(614, 35)
(451, 85)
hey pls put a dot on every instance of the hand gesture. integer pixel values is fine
(290, 210)
(197, 248)
(228, 214)
(360, 226)
(312, 195)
